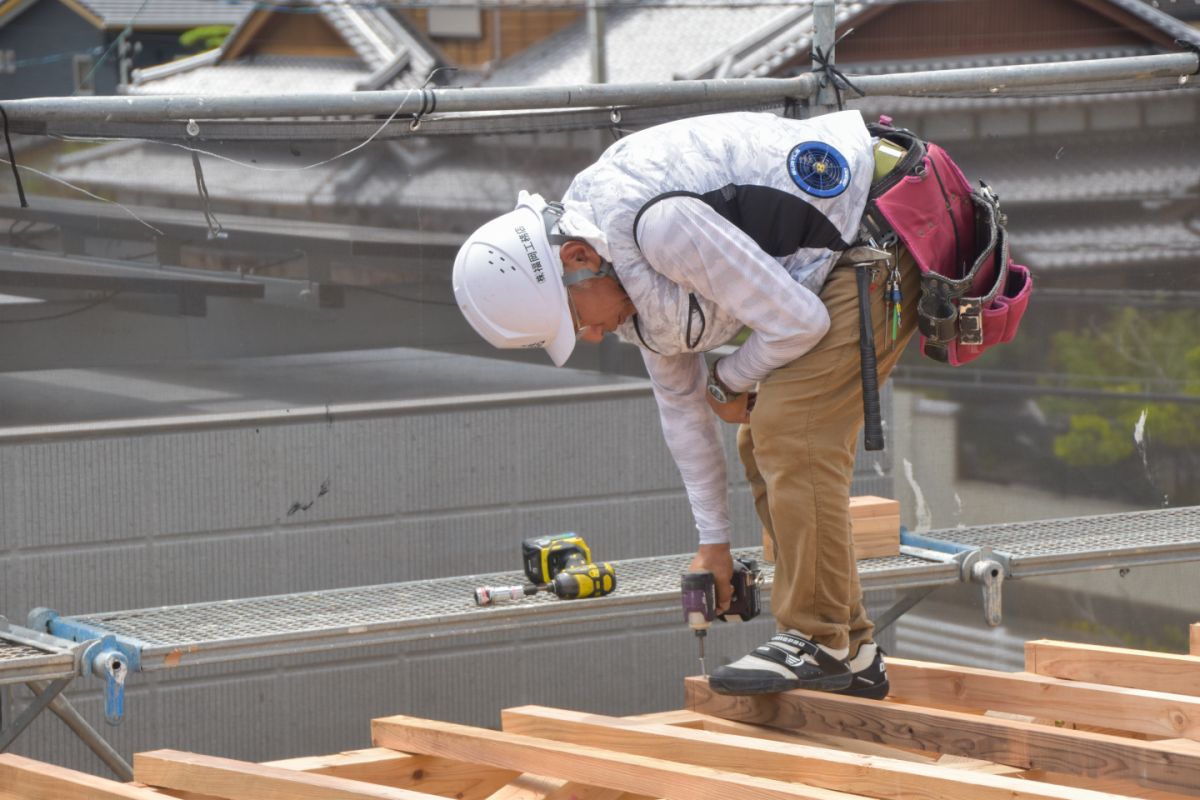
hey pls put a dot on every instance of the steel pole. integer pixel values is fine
(996, 80)
(595, 28)
(824, 35)
(24, 113)
(35, 707)
(31, 115)
(86, 733)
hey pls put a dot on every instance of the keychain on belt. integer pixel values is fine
(891, 293)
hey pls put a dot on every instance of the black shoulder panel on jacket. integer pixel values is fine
(779, 222)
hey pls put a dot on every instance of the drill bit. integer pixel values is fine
(700, 636)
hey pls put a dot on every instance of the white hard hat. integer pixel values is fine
(508, 281)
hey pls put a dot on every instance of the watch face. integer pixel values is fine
(717, 393)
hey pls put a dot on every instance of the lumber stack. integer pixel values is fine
(1082, 722)
(874, 527)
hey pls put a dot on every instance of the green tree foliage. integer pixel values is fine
(1130, 355)
(206, 37)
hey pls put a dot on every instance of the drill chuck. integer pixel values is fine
(699, 599)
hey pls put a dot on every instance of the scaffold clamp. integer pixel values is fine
(105, 659)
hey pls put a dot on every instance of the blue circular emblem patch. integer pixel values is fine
(818, 169)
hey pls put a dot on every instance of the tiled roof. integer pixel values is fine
(1106, 242)
(641, 44)
(262, 75)
(390, 56)
(662, 41)
(760, 53)
(382, 175)
(167, 13)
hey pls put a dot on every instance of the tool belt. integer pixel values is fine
(972, 296)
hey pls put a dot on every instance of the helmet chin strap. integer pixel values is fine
(580, 275)
(551, 214)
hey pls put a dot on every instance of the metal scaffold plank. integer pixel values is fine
(175, 636)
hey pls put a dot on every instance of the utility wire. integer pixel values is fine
(81, 190)
(124, 34)
(72, 312)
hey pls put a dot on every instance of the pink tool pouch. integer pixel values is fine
(972, 295)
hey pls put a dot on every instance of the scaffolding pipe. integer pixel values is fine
(30, 115)
(995, 80)
(147, 108)
(824, 36)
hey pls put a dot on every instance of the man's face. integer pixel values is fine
(599, 305)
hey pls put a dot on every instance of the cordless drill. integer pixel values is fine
(573, 583)
(561, 565)
(700, 599)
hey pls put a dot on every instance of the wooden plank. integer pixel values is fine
(690, 719)
(875, 526)
(1110, 785)
(385, 767)
(876, 537)
(681, 716)
(940, 685)
(1194, 639)
(241, 780)
(979, 765)
(868, 505)
(1157, 765)
(578, 791)
(589, 765)
(1114, 666)
(716, 725)
(839, 771)
(527, 787)
(26, 779)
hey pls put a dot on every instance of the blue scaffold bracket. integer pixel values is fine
(912, 539)
(104, 655)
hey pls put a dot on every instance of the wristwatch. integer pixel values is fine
(718, 390)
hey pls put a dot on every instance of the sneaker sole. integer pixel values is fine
(777, 684)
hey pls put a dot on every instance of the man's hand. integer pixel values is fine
(717, 559)
(736, 410)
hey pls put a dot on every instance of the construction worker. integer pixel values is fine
(676, 239)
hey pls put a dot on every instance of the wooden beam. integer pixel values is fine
(241, 780)
(939, 685)
(629, 773)
(527, 787)
(1194, 639)
(578, 791)
(26, 779)
(429, 774)
(1154, 764)
(1113, 786)
(1115, 666)
(704, 722)
(831, 769)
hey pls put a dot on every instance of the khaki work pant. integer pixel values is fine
(798, 453)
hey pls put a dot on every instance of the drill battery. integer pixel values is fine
(546, 556)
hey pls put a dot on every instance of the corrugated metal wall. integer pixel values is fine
(162, 513)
